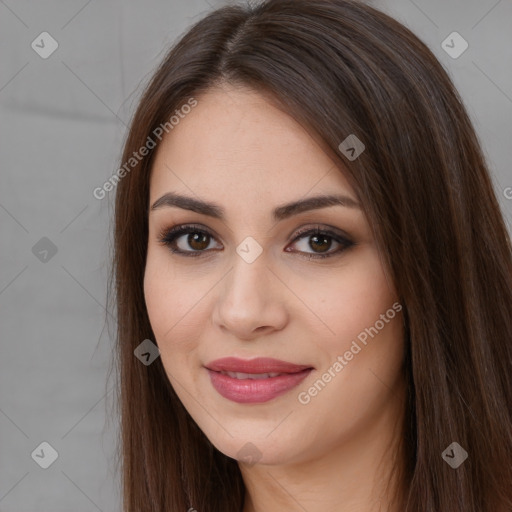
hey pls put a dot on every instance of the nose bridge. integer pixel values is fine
(246, 300)
(248, 277)
(249, 260)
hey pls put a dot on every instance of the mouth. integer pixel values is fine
(252, 376)
(256, 380)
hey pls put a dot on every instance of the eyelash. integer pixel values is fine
(168, 237)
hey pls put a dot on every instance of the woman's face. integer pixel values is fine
(249, 281)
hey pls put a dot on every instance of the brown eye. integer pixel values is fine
(198, 241)
(195, 243)
(320, 242)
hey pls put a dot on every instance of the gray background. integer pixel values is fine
(63, 120)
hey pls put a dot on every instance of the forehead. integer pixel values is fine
(237, 147)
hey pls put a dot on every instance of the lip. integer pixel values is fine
(255, 390)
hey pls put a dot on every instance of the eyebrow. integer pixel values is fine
(279, 213)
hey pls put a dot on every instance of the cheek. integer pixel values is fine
(351, 301)
(352, 391)
(172, 305)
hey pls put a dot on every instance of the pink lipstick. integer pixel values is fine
(256, 380)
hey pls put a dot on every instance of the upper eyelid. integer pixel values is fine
(299, 232)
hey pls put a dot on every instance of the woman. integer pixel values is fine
(308, 232)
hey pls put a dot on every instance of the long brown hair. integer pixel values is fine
(340, 67)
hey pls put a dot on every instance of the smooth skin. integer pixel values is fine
(336, 452)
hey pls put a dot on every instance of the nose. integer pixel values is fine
(251, 300)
